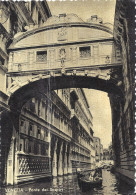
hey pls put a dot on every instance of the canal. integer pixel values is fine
(68, 185)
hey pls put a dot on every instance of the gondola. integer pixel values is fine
(112, 170)
(86, 183)
(80, 174)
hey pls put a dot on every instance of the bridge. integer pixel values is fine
(65, 52)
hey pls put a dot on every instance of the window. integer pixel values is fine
(39, 19)
(22, 126)
(38, 108)
(27, 5)
(39, 148)
(2, 61)
(22, 123)
(41, 56)
(21, 145)
(85, 52)
(39, 133)
(30, 147)
(30, 129)
(35, 148)
(32, 106)
(46, 133)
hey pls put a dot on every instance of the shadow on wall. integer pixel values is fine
(6, 141)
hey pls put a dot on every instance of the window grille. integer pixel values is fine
(85, 52)
(41, 56)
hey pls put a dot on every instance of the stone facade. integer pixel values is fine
(98, 149)
(106, 154)
(15, 17)
(55, 136)
(123, 108)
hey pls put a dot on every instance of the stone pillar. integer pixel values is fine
(65, 162)
(49, 140)
(54, 162)
(49, 150)
(60, 167)
(69, 161)
(9, 144)
(11, 162)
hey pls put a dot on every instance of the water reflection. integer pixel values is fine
(68, 185)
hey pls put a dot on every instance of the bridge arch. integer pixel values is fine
(22, 94)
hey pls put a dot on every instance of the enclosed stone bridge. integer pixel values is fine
(65, 52)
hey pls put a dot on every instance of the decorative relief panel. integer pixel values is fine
(73, 53)
(52, 57)
(30, 57)
(62, 34)
(20, 57)
(62, 56)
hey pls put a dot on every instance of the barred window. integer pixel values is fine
(30, 129)
(41, 56)
(85, 52)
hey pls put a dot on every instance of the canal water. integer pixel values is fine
(68, 185)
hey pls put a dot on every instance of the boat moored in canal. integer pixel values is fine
(87, 184)
(90, 181)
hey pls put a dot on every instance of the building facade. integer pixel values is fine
(123, 113)
(106, 155)
(15, 17)
(101, 152)
(93, 160)
(98, 149)
(82, 133)
(111, 155)
(55, 137)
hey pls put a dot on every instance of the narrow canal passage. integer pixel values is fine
(68, 185)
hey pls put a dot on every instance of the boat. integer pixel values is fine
(80, 174)
(87, 183)
(112, 170)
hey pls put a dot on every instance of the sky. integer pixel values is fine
(85, 8)
(98, 101)
(100, 108)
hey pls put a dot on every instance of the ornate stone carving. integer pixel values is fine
(107, 60)
(62, 34)
(62, 55)
(95, 19)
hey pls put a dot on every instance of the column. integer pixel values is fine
(65, 162)
(49, 140)
(9, 144)
(49, 149)
(54, 161)
(60, 167)
(69, 161)
(11, 162)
